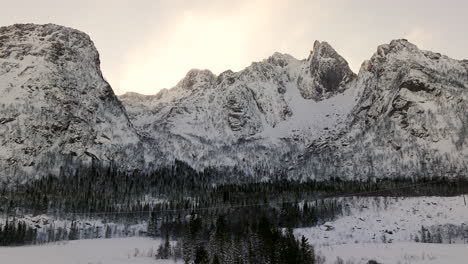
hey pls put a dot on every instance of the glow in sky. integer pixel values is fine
(147, 45)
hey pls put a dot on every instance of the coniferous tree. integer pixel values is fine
(215, 260)
(201, 256)
(74, 232)
(164, 251)
(307, 251)
(152, 225)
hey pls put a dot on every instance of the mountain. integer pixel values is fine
(55, 103)
(255, 118)
(403, 114)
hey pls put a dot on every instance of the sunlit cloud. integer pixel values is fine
(420, 36)
(216, 38)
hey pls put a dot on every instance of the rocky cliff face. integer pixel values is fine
(54, 101)
(404, 114)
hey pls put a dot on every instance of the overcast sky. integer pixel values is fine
(146, 45)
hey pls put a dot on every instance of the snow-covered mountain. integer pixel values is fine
(54, 101)
(404, 114)
(257, 117)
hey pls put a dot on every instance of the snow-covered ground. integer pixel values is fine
(398, 253)
(136, 250)
(389, 219)
(139, 250)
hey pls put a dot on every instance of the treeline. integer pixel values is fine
(290, 214)
(96, 188)
(19, 232)
(448, 233)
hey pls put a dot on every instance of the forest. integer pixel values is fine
(211, 221)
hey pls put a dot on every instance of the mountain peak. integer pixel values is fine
(36, 40)
(280, 59)
(196, 78)
(396, 46)
(328, 73)
(323, 49)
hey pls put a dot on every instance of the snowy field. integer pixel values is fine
(140, 250)
(136, 250)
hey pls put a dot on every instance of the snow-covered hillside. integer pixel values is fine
(54, 100)
(385, 229)
(392, 219)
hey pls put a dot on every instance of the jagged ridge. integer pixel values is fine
(255, 117)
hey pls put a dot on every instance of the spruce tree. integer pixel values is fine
(201, 256)
(307, 251)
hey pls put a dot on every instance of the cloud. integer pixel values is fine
(216, 37)
(147, 45)
(420, 36)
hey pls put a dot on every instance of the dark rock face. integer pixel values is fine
(329, 71)
(236, 115)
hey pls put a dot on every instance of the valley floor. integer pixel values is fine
(396, 253)
(135, 250)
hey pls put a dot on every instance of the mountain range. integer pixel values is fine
(403, 115)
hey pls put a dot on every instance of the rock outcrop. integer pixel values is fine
(329, 73)
(55, 102)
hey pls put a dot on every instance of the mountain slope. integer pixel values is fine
(55, 102)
